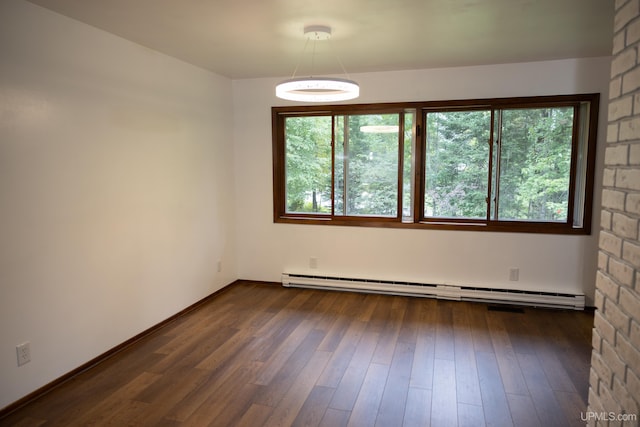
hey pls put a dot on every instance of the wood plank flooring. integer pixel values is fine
(263, 355)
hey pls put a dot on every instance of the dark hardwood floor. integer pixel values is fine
(263, 355)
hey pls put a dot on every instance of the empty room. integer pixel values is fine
(279, 212)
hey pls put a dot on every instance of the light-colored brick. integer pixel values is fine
(630, 303)
(621, 272)
(631, 253)
(613, 130)
(596, 341)
(633, 383)
(632, 205)
(598, 300)
(634, 335)
(606, 330)
(605, 220)
(628, 178)
(620, 393)
(624, 14)
(631, 422)
(621, 107)
(613, 423)
(636, 103)
(607, 285)
(610, 243)
(595, 404)
(608, 401)
(615, 87)
(613, 361)
(609, 177)
(616, 155)
(616, 317)
(621, 63)
(632, 34)
(629, 129)
(593, 375)
(634, 154)
(613, 199)
(602, 369)
(631, 81)
(603, 261)
(627, 352)
(624, 226)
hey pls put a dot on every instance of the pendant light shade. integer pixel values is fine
(317, 89)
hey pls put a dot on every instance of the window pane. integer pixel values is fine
(340, 155)
(457, 164)
(308, 164)
(366, 165)
(535, 164)
(408, 167)
(581, 165)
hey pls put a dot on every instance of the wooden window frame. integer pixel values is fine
(419, 221)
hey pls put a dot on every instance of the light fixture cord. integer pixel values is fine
(344, 70)
(313, 56)
(300, 58)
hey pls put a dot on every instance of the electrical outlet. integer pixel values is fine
(24, 353)
(219, 266)
(514, 274)
(313, 262)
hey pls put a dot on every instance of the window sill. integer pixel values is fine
(500, 227)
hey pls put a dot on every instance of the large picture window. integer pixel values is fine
(521, 164)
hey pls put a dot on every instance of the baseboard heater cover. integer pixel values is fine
(450, 292)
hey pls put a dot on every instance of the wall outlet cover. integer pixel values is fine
(24, 353)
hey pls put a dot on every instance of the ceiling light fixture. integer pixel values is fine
(317, 89)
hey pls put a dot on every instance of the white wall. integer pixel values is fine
(116, 191)
(547, 262)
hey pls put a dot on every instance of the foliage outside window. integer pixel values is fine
(509, 164)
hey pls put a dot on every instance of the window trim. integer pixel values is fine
(419, 221)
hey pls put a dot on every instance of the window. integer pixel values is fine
(509, 164)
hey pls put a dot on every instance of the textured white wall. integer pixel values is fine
(546, 262)
(116, 191)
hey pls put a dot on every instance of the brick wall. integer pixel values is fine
(615, 363)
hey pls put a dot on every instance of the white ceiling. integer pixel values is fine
(264, 38)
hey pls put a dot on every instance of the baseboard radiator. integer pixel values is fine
(450, 292)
